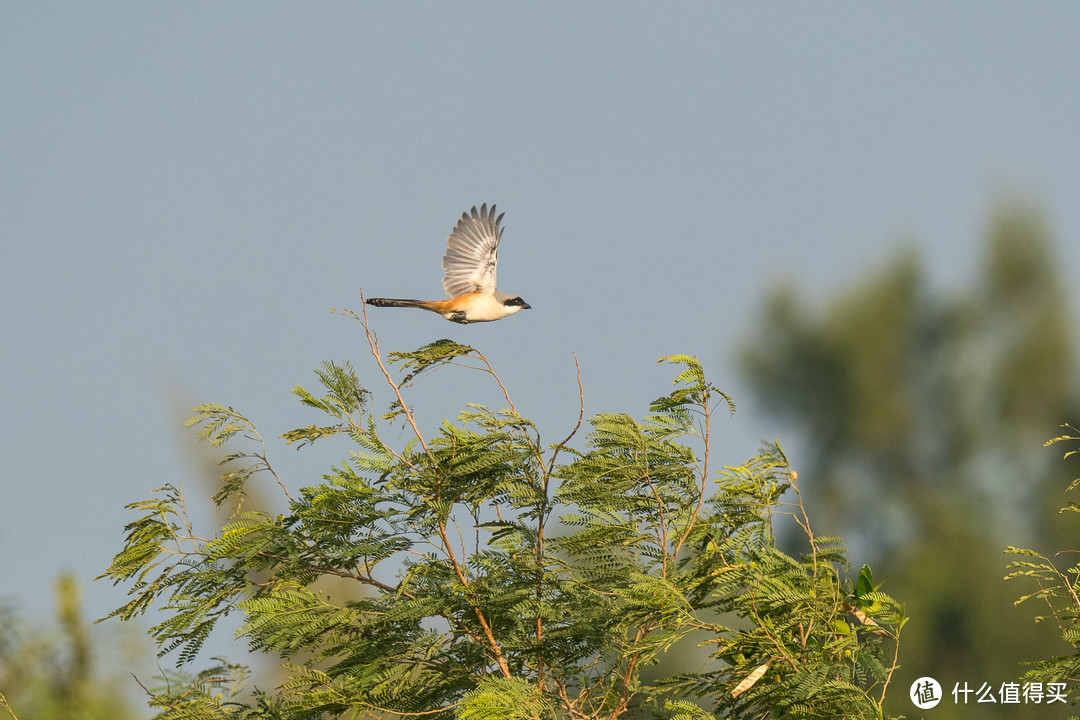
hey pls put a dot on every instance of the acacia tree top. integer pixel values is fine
(496, 576)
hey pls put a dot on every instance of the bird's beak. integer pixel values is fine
(525, 305)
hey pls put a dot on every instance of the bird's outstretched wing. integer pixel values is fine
(471, 253)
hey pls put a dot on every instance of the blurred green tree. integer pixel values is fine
(921, 417)
(45, 676)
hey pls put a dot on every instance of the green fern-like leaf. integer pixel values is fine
(503, 699)
(429, 357)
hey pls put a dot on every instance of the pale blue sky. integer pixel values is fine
(186, 189)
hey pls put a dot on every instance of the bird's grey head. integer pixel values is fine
(512, 303)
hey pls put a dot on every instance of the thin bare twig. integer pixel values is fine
(140, 683)
(4, 704)
(892, 669)
(171, 706)
(577, 425)
(402, 713)
(373, 345)
(506, 393)
(267, 466)
(705, 436)
(804, 522)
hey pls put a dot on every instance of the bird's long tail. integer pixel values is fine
(397, 302)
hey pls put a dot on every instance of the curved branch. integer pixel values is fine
(581, 415)
(373, 345)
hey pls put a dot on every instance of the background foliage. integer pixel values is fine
(54, 674)
(922, 416)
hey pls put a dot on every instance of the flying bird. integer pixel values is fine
(469, 269)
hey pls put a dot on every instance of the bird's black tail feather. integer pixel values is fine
(395, 302)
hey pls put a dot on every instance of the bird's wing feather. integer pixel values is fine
(471, 253)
